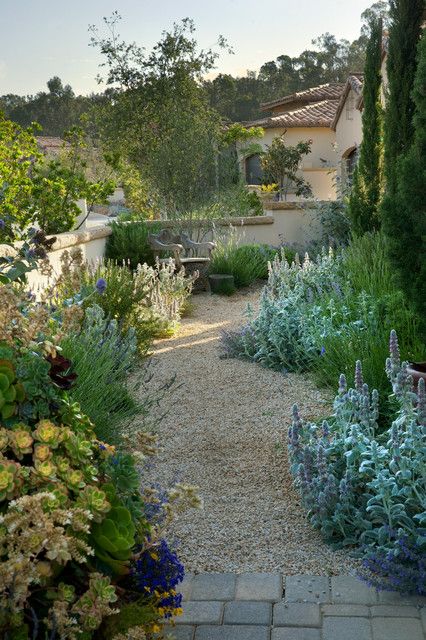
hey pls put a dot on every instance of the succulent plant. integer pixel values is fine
(11, 479)
(21, 442)
(60, 371)
(114, 538)
(48, 433)
(11, 391)
(96, 501)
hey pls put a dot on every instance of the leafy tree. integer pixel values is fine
(18, 154)
(408, 242)
(158, 117)
(364, 201)
(35, 190)
(280, 162)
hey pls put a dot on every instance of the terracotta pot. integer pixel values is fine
(417, 370)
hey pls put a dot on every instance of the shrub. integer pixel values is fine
(246, 263)
(365, 489)
(322, 315)
(74, 522)
(285, 334)
(102, 357)
(375, 305)
(128, 243)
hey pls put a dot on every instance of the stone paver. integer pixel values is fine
(287, 633)
(201, 613)
(346, 629)
(181, 633)
(297, 614)
(213, 586)
(231, 632)
(390, 597)
(307, 589)
(259, 586)
(245, 612)
(397, 629)
(350, 590)
(347, 610)
(185, 587)
(387, 611)
(262, 606)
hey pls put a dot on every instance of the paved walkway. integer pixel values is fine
(269, 606)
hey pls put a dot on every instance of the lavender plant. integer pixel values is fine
(363, 488)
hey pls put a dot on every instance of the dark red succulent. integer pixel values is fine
(60, 371)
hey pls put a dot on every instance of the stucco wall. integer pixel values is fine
(349, 131)
(317, 164)
(282, 223)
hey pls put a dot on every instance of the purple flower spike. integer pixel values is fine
(393, 347)
(342, 384)
(358, 376)
(421, 402)
(2, 223)
(101, 286)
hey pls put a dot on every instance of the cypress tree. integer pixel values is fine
(411, 190)
(404, 33)
(364, 201)
(401, 224)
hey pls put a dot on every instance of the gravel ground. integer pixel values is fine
(226, 433)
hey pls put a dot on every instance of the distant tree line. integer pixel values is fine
(234, 98)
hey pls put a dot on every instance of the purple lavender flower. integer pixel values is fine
(358, 376)
(2, 223)
(421, 402)
(393, 347)
(101, 286)
(342, 384)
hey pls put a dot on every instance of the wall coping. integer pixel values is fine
(73, 238)
(83, 236)
(285, 205)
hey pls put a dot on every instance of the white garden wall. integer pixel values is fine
(282, 222)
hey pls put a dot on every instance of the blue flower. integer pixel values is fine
(2, 224)
(322, 350)
(159, 571)
(101, 286)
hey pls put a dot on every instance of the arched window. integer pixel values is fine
(351, 162)
(254, 173)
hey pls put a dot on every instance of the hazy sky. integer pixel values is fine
(43, 38)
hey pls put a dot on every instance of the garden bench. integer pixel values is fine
(184, 251)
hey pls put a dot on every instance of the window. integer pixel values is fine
(254, 173)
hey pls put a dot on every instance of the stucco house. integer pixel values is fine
(347, 125)
(305, 115)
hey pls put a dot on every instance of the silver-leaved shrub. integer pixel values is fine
(367, 489)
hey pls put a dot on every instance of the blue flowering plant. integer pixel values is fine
(363, 488)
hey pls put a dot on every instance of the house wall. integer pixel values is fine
(348, 133)
(318, 173)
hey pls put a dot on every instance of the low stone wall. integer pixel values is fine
(282, 222)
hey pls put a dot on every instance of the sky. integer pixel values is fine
(43, 38)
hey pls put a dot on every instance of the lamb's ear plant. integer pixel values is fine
(364, 489)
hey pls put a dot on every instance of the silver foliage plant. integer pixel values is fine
(361, 488)
(288, 331)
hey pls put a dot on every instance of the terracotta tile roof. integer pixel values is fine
(318, 114)
(330, 91)
(355, 82)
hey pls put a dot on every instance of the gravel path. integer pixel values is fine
(226, 433)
